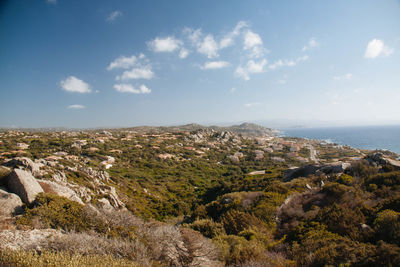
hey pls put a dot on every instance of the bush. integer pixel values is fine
(236, 221)
(362, 169)
(387, 226)
(316, 246)
(208, 228)
(236, 250)
(266, 208)
(345, 179)
(342, 220)
(390, 179)
(51, 211)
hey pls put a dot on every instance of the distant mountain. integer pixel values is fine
(244, 129)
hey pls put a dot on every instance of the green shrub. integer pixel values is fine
(316, 246)
(342, 220)
(236, 250)
(387, 226)
(208, 228)
(345, 179)
(390, 179)
(236, 221)
(362, 169)
(57, 212)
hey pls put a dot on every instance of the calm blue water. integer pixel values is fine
(366, 137)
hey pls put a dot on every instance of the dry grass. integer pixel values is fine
(96, 244)
(58, 259)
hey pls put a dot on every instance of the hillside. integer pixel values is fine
(195, 196)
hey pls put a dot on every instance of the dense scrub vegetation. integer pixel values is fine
(213, 204)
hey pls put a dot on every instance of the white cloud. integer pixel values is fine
(140, 67)
(183, 53)
(249, 105)
(144, 89)
(251, 40)
(113, 16)
(233, 89)
(256, 67)
(257, 52)
(250, 68)
(215, 65)
(167, 44)
(208, 47)
(193, 35)
(346, 76)
(75, 85)
(123, 62)
(312, 43)
(254, 43)
(76, 106)
(143, 72)
(228, 39)
(377, 47)
(287, 63)
(53, 2)
(128, 88)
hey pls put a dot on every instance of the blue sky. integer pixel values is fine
(124, 63)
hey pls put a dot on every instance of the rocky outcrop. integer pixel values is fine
(381, 159)
(101, 175)
(305, 171)
(234, 158)
(10, 204)
(105, 204)
(26, 239)
(60, 190)
(24, 185)
(26, 164)
(112, 197)
(82, 192)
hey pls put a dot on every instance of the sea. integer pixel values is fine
(362, 137)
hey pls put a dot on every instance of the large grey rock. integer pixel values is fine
(9, 204)
(25, 163)
(60, 190)
(381, 159)
(24, 185)
(305, 171)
